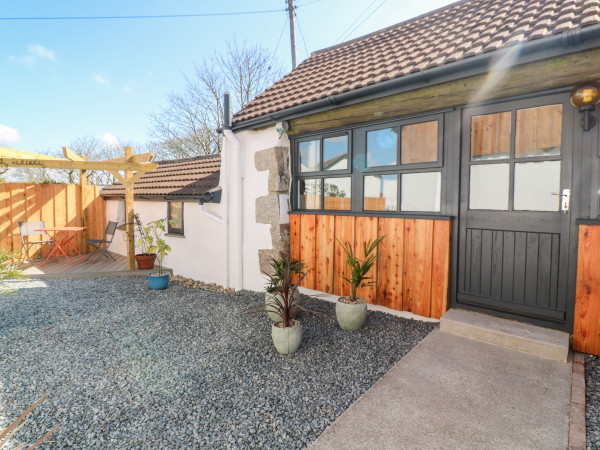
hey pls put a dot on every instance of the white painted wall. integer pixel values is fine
(198, 255)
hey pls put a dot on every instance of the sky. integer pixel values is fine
(64, 79)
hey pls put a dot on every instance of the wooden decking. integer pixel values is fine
(103, 267)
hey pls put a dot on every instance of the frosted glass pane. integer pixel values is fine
(338, 193)
(310, 156)
(381, 193)
(534, 184)
(489, 186)
(309, 194)
(421, 191)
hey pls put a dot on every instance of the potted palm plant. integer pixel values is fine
(351, 311)
(154, 243)
(275, 279)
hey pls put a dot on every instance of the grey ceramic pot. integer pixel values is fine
(269, 301)
(287, 340)
(351, 316)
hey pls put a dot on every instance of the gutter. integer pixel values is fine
(544, 48)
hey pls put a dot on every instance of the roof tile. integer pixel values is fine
(461, 30)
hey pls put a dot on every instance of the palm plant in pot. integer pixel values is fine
(351, 311)
(154, 243)
(276, 278)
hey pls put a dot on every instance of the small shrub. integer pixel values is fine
(8, 269)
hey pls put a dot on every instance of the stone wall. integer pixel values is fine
(269, 207)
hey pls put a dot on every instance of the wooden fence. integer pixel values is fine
(58, 205)
(413, 261)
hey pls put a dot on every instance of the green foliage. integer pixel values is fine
(8, 269)
(359, 268)
(278, 266)
(151, 239)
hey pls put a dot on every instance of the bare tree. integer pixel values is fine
(187, 125)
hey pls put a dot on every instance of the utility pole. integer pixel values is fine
(290, 8)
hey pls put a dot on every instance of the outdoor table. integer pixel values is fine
(62, 237)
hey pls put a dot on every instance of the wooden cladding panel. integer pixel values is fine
(586, 328)
(538, 129)
(57, 205)
(413, 262)
(491, 134)
(419, 142)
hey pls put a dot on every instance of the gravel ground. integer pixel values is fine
(127, 367)
(592, 400)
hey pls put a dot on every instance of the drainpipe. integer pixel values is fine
(235, 178)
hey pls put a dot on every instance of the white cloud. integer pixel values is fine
(100, 79)
(128, 89)
(8, 135)
(35, 52)
(41, 52)
(110, 140)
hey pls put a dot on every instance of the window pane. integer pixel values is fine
(382, 147)
(381, 193)
(338, 193)
(489, 186)
(309, 194)
(490, 136)
(335, 153)
(421, 191)
(534, 184)
(419, 143)
(310, 156)
(539, 131)
(176, 214)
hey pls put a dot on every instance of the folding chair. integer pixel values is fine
(28, 229)
(97, 243)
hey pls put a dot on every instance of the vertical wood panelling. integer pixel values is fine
(366, 230)
(413, 261)
(307, 249)
(56, 205)
(325, 232)
(440, 268)
(586, 328)
(391, 259)
(344, 232)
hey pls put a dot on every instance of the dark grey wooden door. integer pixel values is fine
(514, 230)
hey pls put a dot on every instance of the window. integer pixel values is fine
(389, 168)
(175, 217)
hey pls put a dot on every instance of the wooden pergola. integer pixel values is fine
(132, 166)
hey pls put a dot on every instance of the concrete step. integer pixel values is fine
(524, 337)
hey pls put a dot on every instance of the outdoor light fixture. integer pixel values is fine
(585, 96)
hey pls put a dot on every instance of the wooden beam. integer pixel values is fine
(129, 213)
(85, 165)
(118, 176)
(11, 153)
(524, 79)
(139, 158)
(71, 155)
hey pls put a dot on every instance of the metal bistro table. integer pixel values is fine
(62, 237)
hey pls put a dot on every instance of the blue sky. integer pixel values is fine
(61, 79)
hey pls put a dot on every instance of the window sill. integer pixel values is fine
(175, 235)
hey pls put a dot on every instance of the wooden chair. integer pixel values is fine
(28, 229)
(98, 243)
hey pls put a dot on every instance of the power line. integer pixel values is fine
(301, 35)
(278, 41)
(345, 32)
(161, 16)
(365, 19)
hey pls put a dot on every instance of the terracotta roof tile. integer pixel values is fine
(461, 30)
(187, 177)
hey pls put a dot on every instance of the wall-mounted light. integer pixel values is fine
(585, 96)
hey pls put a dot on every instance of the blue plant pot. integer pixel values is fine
(158, 281)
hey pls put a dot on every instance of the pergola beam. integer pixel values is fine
(59, 163)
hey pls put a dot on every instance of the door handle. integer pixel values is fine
(565, 200)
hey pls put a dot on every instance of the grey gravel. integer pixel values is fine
(592, 401)
(128, 367)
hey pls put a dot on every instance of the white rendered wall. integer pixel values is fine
(255, 184)
(198, 255)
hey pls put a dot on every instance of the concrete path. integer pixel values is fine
(453, 392)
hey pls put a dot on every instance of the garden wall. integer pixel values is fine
(413, 261)
(58, 205)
